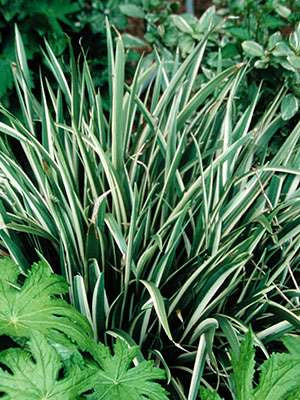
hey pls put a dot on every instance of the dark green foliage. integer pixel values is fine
(56, 20)
(36, 19)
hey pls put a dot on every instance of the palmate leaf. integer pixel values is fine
(35, 375)
(9, 271)
(115, 380)
(207, 394)
(279, 378)
(35, 305)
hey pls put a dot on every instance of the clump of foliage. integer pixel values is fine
(278, 379)
(259, 19)
(156, 17)
(49, 366)
(165, 29)
(280, 54)
(268, 33)
(173, 224)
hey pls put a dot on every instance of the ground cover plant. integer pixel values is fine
(173, 225)
(278, 379)
(49, 363)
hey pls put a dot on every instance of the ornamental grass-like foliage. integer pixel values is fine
(172, 223)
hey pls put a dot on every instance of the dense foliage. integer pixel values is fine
(51, 365)
(80, 20)
(163, 187)
(168, 216)
(269, 34)
(36, 19)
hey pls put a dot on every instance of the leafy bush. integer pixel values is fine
(165, 29)
(269, 34)
(171, 221)
(50, 366)
(259, 19)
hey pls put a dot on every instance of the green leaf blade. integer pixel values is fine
(289, 107)
(243, 369)
(252, 48)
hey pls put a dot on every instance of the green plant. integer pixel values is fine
(90, 23)
(114, 380)
(268, 33)
(35, 305)
(246, 30)
(164, 28)
(171, 221)
(34, 371)
(37, 18)
(286, 55)
(278, 378)
(80, 21)
(258, 20)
